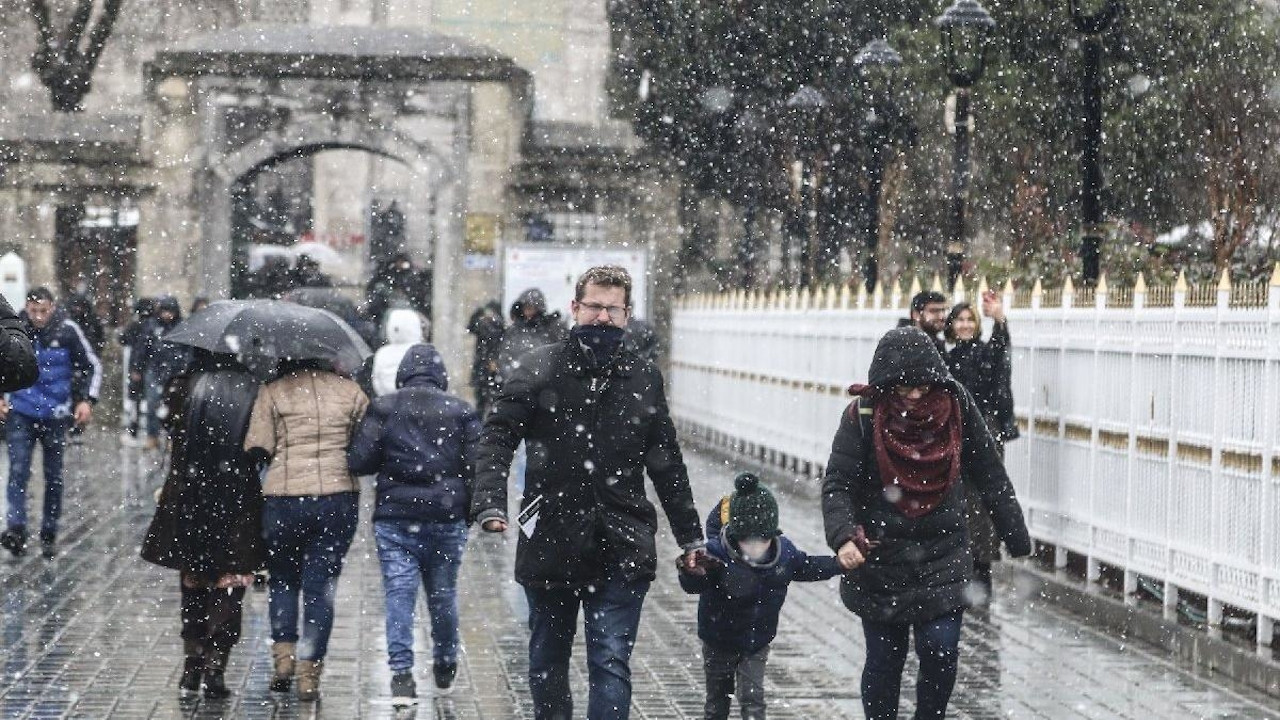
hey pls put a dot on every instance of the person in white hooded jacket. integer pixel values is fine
(403, 329)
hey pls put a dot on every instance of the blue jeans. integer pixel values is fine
(153, 389)
(611, 618)
(306, 539)
(937, 648)
(430, 553)
(24, 432)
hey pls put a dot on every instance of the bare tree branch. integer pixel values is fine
(75, 30)
(101, 31)
(40, 13)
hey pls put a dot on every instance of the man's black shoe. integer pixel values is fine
(192, 670)
(215, 685)
(14, 540)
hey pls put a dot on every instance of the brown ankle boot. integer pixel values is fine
(282, 657)
(309, 679)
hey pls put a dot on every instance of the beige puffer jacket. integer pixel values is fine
(305, 421)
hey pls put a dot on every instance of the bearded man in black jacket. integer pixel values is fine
(594, 418)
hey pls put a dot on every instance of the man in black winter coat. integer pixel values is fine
(17, 358)
(594, 418)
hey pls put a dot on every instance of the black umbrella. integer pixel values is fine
(273, 329)
(338, 304)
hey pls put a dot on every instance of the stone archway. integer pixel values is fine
(229, 103)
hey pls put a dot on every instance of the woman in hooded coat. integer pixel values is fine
(984, 369)
(208, 520)
(893, 506)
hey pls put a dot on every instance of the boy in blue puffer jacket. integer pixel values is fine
(422, 443)
(742, 594)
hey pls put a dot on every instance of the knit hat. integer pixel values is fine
(752, 510)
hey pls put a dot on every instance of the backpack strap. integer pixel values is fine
(857, 411)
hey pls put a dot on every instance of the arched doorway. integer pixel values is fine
(326, 215)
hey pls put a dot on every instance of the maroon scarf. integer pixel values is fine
(917, 447)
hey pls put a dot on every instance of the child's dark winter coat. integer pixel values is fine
(740, 602)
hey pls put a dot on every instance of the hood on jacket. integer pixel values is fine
(533, 298)
(907, 356)
(422, 363)
(170, 303)
(404, 327)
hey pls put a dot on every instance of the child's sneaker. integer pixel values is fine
(404, 691)
(445, 673)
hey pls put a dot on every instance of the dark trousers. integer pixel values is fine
(24, 432)
(734, 673)
(211, 623)
(307, 538)
(611, 616)
(937, 648)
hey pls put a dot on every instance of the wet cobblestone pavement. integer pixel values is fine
(93, 633)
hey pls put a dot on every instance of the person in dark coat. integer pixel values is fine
(531, 327)
(79, 307)
(742, 592)
(893, 506)
(156, 362)
(398, 281)
(641, 339)
(18, 367)
(421, 441)
(133, 343)
(984, 369)
(208, 521)
(487, 327)
(595, 419)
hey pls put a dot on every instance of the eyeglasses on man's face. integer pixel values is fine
(617, 313)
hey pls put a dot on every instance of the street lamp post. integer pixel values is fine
(807, 105)
(1091, 25)
(876, 63)
(965, 26)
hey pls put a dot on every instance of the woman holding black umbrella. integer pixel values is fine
(208, 520)
(303, 422)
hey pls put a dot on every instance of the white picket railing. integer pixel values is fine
(1150, 434)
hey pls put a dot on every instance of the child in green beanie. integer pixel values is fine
(742, 593)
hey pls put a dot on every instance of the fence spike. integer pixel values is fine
(793, 299)
(915, 286)
(1037, 290)
(1224, 282)
(1102, 285)
(958, 292)
(1068, 287)
(845, 296)
(1140, 287)
(937, 283)
(1181, 285)
(877, 300)
(833, 297)
(862, 296)
(895, 296)
(983, 287)
(1008, 286)
(1275, 276)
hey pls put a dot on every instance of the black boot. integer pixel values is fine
(14, 540)
(192, 672)
(215, 685)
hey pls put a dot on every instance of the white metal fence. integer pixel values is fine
(1149, 418)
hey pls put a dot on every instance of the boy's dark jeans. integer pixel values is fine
(729, 670)
(937, 647)
(611, 610)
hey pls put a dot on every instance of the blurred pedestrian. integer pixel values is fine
(156, 363)
(742, 592)
(133, 345)
(531, 327)
(595, 419)
(893, 506)
(487, 327)
(985, 370)
(398, 282)
(404, 328)
(307, 274)
(302, 422)
(81, 310)
(421, 442)
(198, 303)
(64, 394)
(18, 367)
(208, 520)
